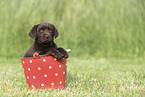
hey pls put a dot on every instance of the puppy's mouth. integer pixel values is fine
(46, 42)
(46, 38)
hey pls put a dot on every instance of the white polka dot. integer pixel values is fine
(34, 77)
(52, 84)
(56, 74)
(42, 84)
(23, 62)
(27, 77)
(59, 66)
(55, 59)
(65, 64)
(60, 82)
(45, 75)
(32, 85)
(28, 69)
(63, 72)
(44, 60)
(39, 68)
(30, 61)
(50, 67)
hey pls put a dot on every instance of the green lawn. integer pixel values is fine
(85, 77)
(112, 31)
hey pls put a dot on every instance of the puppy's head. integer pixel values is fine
(43, 32)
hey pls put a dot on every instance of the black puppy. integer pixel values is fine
(44, 34)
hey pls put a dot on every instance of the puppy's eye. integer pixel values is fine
(41, 30)
(50, 29)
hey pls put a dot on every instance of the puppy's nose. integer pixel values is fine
(47, 36)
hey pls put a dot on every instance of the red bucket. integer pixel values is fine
(45, 72)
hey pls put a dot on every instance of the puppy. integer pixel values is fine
(44, 33)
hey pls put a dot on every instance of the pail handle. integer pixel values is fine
(68, 50)
(36, 55)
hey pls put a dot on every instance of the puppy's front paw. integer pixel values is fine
(66, 55)
(57, 54)
(63, 52)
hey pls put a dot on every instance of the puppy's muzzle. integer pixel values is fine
(47, 36)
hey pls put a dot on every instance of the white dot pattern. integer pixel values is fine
(63, 72)
(60, 72)
(34, 77)
(39, 68)
(52, 84)
(44, 60)
(45, 75)
(32, 86)
(29, 69)
(56, 74)
(50, 67)
(30, 61)
(42, 84)
(27, 77)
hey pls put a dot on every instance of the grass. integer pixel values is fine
(85, 77)
(106, 38)
(103, 28)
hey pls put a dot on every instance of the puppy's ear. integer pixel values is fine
(56, 33)
(33, 31)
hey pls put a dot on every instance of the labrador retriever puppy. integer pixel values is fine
(44, 33)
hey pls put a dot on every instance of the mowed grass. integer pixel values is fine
(85, 77)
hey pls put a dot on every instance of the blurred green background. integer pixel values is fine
(98, 28)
